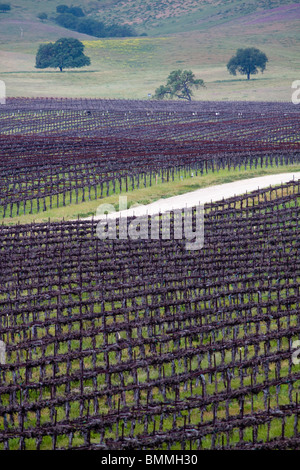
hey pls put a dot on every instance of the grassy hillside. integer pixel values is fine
(201, 36)
(156, 16)
(162, 16)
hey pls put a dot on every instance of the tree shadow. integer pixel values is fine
(241, 80)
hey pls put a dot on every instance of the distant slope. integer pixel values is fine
(162, 16)
(32, 30)
(152, 16)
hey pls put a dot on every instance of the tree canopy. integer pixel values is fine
(179, 84)
(247, 62)
(76, 11)
(42, 16)
(5, 7)
(93, 27)
(64, 53)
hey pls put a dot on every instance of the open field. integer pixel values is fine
(132, 68)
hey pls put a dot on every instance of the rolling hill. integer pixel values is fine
(201, 36)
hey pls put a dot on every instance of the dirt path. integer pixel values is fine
(204, 195)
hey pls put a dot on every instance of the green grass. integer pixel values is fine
(147, 195)
(131, 68)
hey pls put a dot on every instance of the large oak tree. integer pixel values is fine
(247, 62)
(65, 53)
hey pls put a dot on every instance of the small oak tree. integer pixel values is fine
(42, 16)
(4, 7)
(247, 62)
(179, 84)
(65, 53)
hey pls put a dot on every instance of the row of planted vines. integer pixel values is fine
(60, 152)
(143, 344)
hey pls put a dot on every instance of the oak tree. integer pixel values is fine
(179, 84)
(65, 53)
(247, 62)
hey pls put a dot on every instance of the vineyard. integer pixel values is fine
(60, 152)
(143, 344)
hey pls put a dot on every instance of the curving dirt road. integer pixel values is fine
(204, 195)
